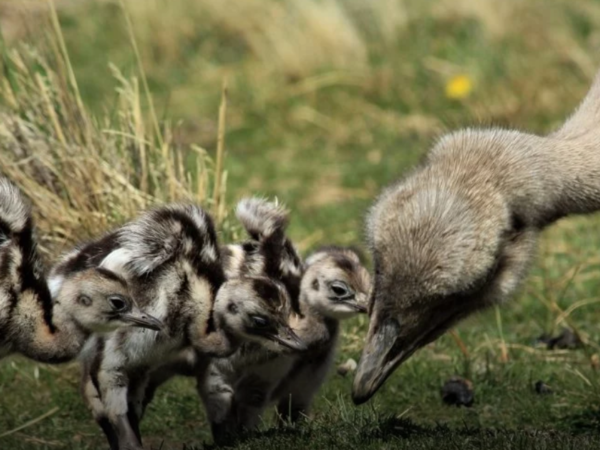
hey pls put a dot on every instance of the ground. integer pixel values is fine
(328, 102)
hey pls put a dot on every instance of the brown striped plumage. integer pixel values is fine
(52, 325)
(335, 286)
(171, 259)
(331, 285)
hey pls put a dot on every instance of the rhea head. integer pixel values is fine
(335, 284)
(100, 301)
(440, 252)
(257, 309)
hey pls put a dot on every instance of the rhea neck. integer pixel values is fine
(41, 327)
(539, 179)
(317, 318)
(221, 341)
(56, 342)
(575, 164)
(568, 161)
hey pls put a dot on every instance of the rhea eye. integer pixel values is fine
(260, 321)
(117, 302)
(340, 289)
(84, 300)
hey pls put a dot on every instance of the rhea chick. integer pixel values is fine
(257, 257)
(458, 233)
(45, 324)
(335, 286)
(332, 285)
(170, 257)
(236, 389)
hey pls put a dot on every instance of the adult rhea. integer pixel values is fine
(458, 233)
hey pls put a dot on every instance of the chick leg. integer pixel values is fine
(189, 364)
(114, 384)
(157, 378)
(297, 392)
(136, 405)
(91, 394)
(217, 396)
(250, 400)
(289, 409)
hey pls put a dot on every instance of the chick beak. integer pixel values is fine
(360, 308)
(380, 357)
(286, 337)
(138, 318)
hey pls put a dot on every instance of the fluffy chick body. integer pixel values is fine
(236, 390)
(170, 257)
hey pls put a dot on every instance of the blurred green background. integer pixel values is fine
(328, 101)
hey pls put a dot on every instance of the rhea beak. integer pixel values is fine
(138, 318)
(286, 337)
(381, 355)
(387, 347)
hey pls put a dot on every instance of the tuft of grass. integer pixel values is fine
(86, 172)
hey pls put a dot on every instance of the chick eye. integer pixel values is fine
(340, 289)
(84, 300)
(118, 303)
(260, 322)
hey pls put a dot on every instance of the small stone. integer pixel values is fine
(542, 388)
(347, 367)
(458, 391)
(543, 340)
(566, 340)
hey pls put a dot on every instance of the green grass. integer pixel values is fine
(354, 104)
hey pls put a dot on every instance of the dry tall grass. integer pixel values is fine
(86, 173)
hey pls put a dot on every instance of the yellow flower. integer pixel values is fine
(459, 86)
